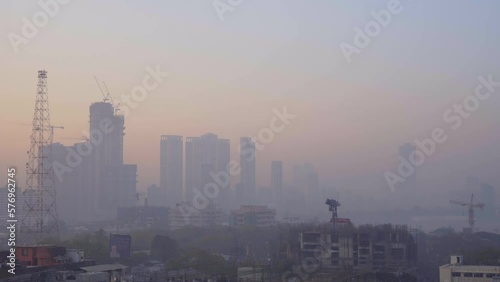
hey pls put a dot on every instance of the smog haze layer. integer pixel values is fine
(229, 69)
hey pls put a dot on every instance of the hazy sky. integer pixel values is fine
(227, 76)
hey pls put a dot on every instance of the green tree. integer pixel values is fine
(164, 248)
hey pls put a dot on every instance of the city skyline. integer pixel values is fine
(335, 113)
(233, 140)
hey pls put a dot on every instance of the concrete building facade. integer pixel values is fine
(366, 247)
(259, 216)
(456, 271)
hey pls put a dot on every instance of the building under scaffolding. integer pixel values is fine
(390, 248)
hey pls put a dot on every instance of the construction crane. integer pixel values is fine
(471, 206)
(332, 206)
(106, 95)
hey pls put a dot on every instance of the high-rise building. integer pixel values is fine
(247, 163)
(306, 180)
(107, 160)
(98, 182)
(205, 154)
(109, 151)
(154, 193)
(223, 159)
(171, 163)
(277, 180)
(223, 154)
(207, 169)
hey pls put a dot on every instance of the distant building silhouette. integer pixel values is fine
(247, 163)
(155, 196)
(184, 214)
(306, 180)
(116, 182)
(207, 169)
(109, 152)
(171, 169)
(223, 159)
(205, 154)
(98, 181)
(277, 182)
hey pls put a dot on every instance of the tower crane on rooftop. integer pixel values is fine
(470, 206)
(332, 206)
(106, 95)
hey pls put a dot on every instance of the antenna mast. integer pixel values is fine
(40, 211)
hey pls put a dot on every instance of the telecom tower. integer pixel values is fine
(40, 211)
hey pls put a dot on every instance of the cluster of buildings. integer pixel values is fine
(182, 215)
(202, 165)
(56, 263)
(259, 216)
(91, 178)
(93, 182)
(206, 162)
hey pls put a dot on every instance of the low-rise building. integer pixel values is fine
(48, 255)
(75, 255)
(456, 271)
(253, 215)
(366, 247)
(145, 216)
(184, 214)
(41, 255)
(113, 272)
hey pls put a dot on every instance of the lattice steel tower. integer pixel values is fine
(40, 211)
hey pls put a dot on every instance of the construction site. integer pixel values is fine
(345, 251)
